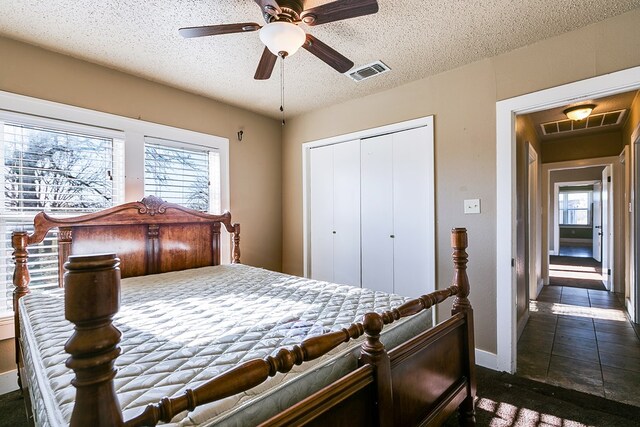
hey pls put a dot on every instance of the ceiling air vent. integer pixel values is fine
(593, 121)
(368, 71)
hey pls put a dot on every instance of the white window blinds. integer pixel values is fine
(60, 168)
(181, 173)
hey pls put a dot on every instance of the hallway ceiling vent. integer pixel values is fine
(368, 71)
(609, 118)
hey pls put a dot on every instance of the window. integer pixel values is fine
(53, 167)
(574, 207)
(181, 173)
(69, 161)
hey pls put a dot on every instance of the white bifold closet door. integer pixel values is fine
(335, 213)
(396, 178)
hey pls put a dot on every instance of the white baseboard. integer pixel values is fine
(486, 359)
(541, 284)
(8, 381)
(523, 322)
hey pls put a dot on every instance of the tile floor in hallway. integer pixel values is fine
(581, 339)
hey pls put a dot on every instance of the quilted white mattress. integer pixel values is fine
(187, 327)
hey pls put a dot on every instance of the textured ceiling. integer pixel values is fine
(621, 101)
(416, 38)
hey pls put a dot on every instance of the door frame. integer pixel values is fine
(367, 133)
(556, 211)
(506, 110)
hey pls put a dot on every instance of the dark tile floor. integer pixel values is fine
(581, 339)
(578, 251)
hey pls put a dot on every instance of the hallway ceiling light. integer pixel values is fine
(579, 112)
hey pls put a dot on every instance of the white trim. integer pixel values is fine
(608, 84)
(546, 183)
(7, 330)
(8, 381)
(486, 359)
(133, 131)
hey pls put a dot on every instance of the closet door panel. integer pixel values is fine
(377, 213)
(346, 213)
(411, 183)
(321, 212)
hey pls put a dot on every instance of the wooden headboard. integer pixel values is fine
(149, 236)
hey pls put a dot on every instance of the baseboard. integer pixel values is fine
(539, 287)
(8, 381)
(486, 359)
(523, 322)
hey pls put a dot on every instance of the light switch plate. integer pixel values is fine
(472, 206)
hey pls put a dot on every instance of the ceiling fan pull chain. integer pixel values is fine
(282, 56)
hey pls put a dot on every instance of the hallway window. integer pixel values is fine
(574, 207)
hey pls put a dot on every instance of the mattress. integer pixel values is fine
(189, 326)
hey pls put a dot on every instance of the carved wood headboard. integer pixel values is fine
(149, 236)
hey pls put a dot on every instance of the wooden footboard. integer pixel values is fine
(421, 382)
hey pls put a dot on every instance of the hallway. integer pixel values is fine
(581, 339)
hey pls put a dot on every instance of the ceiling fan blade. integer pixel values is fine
(266, 64)
(269, 6)
(327, 54)
(338, 10)
(214, 30)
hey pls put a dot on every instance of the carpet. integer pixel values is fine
(575, 272)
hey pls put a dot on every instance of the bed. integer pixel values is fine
(363, 358)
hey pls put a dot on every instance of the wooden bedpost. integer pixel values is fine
(92, 298)
(461, 304)
(374, 353)
(236, 244)
(21, 279)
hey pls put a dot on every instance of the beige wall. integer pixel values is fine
(582, 147)
(255, 163)
(463, 102)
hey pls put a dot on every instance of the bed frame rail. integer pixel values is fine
(419, 383)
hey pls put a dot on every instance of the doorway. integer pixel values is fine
(606, 85)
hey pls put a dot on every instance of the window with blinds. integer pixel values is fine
(182, 173)
(56, 170)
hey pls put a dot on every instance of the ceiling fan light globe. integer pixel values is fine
(282, 37)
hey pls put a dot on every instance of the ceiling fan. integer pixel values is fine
(282, 35)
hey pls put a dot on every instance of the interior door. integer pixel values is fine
(377, 212)
(597, 223)
(411, 183)
(346, 213)
(606, 227)
(321, 212)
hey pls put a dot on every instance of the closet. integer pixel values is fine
(370, 213)
(335, 213)
(394, 231)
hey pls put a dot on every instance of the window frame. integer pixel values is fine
(589, 208)
(132, 131)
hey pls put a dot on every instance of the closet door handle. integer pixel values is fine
(393, 236)
(334, 232)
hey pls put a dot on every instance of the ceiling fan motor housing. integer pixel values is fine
(290, 11)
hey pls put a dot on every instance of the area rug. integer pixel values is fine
(575, 272)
